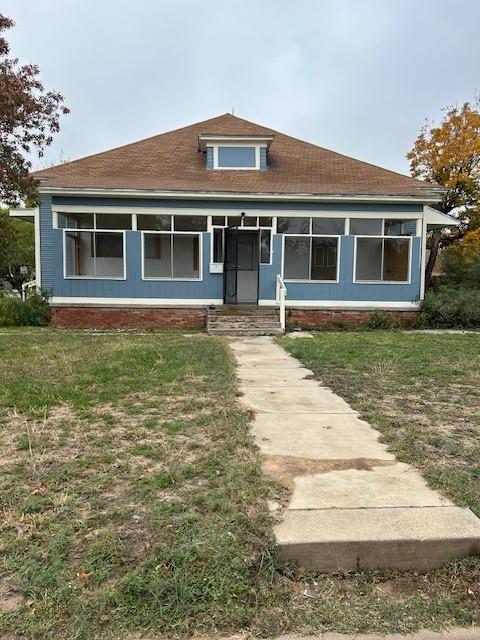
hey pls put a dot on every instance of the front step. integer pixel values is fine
(333, 540)
(242, 320)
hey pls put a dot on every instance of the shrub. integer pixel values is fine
(33, 311)
(381, 320)
(458, 270)
(451, 307)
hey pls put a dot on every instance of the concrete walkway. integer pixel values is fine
(353, 505)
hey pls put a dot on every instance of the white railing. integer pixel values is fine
(281, 294)
(26, 286)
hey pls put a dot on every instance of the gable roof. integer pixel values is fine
(172, 161)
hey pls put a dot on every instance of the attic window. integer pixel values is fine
(237, 158)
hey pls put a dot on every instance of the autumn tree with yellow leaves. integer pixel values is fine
(449, 155)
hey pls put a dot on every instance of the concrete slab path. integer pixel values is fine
(353, 505)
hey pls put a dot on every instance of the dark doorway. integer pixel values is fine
(241, 266)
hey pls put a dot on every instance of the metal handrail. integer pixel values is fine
(281, 294)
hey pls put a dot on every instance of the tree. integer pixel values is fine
(449, 154)
(29, 117)
(17, 250)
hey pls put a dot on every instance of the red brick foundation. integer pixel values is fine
(127, 318)
(325, 317)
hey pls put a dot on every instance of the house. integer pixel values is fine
(227, 212)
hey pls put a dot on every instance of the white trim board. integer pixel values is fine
(132, 302)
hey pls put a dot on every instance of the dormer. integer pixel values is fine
(235, 152)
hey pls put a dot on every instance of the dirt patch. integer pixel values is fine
(287, 468)
(10, 598)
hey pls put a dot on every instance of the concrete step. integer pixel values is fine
(398, 538)
(230, 321)
(244, 325)
(246, 332)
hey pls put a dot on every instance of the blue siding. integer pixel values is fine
(263, 157)
(209, 157)
(211, 287)
(47, 256)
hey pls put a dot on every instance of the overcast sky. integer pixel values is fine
(356, 76)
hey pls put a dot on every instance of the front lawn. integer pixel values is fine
(131, 493)
(132, 497)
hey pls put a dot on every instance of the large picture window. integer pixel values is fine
(382, 249)
(311, 258)
(171, 256)
(94, 244)
(382, 259)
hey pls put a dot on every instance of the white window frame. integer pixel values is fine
(173, 233)
(383, 238)
(94, 231)
(311, 235)
(257, 148)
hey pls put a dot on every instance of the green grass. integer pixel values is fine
(132, 496)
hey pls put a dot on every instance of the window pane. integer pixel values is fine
(190, 223)
(218, 245)
(297, 258)
(369, 259)
(400, 227)
(109, 255)
(265, 242)
(363, 227)
(157, 255)
(79, 254)
(395, 260)
(114, 221)
(264, 222)
(324, 259)
(236, 157)
(328, 226)
(218, 220)
(75, 220)
(186, 257)
(234, 221)
(154, 223)
(249, 222)
(293, 225)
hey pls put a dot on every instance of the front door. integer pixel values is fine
(241, 266)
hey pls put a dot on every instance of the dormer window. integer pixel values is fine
(231, 153)
(236, 158)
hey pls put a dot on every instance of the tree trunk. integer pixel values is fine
(434, 247)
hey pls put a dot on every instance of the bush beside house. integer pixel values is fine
(15, 312)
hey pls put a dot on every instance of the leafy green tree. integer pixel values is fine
(17, 250)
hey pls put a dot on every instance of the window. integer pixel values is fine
(265, 246)
(190, 223)
(93, 253)
(120, 221)
(236, 158)
(382, 259)
(310, 258)
(154, 223)
(218, 241)
(382, 249)
(293, 225)
(328, 226)
(171, 256)
(366, 227)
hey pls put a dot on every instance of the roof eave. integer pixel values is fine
(229, 195)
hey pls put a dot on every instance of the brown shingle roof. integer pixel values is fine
(172, 161)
